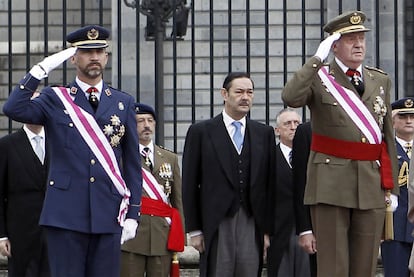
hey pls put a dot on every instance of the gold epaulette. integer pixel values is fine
(376, 69)
(162, 147)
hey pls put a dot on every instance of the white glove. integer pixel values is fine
(42, 69)
(129, 230)
(393, 200)
(325, 46)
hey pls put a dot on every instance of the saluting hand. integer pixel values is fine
(42, 69)
(325, 46)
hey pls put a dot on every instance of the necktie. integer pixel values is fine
(408, 148)
(146, 154)
(290, 158)
(92, 97)
(38, 148)
(237, 136)
(356, 80)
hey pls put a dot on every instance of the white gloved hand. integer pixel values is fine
(129, 230)
(325, 46)
(393, 200)
(42, 69)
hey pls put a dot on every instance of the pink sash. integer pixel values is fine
(99, 145)
(354, 107)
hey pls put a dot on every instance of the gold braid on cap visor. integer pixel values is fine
(349, 29)
(80, 43)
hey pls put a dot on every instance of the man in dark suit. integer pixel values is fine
(93, 195)
(22, 190)
(396, 253)
(300, 154)
(228, 182)
(150, 252)
(285, 257)
(352, 165)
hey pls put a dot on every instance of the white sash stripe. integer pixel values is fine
(111, 167)
(357, 113)
(154, 185)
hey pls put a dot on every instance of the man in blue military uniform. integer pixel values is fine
(396, 253)
(93, 196)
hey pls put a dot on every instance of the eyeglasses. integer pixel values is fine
(290, 123)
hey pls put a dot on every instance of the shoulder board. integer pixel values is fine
(162, 147)
(375, 69)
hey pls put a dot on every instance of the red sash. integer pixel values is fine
(356, 151)
(159, 208)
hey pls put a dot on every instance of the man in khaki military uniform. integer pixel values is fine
(352, 166)
(150, 252)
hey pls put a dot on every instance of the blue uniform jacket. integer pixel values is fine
(402, 227)
(80, 196)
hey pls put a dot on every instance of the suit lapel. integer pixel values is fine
(158, 159)
(28, 156)
(371, 85)
(256, 150)
(105, 102)
(80, 99)
(218, 134)
(340, 77)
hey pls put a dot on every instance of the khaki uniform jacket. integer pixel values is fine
(333, 180)
(152, 233)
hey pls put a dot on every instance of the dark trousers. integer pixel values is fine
(395, 258)
(35, 266)
(76, 254)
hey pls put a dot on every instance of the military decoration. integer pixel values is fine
(114, 131)
(380, 109)
(166, 174)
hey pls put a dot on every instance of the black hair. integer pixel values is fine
(235, 75)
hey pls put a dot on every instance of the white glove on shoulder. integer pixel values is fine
(42, 69)
(325, 46)
(129, 230)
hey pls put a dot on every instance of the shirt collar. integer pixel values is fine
(84, 86)
(345, 68)
(403, 142)
(228, 120)
(150, 146)
(285, 150)
(31, 135)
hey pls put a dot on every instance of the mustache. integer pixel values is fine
(147, 129)
(95, 63)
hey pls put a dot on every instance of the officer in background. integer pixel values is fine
(396, 253)
(150, 252)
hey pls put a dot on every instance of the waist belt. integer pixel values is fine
(356, 151)
(159, 208)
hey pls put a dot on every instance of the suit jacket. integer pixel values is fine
(209, 188)
(284, 213)
(22, 190)
(152, 234)
(75, 175)
(402, 227)
(300, 154)
(327, 174)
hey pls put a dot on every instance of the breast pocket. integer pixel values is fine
(67, 132)
(333, 111)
